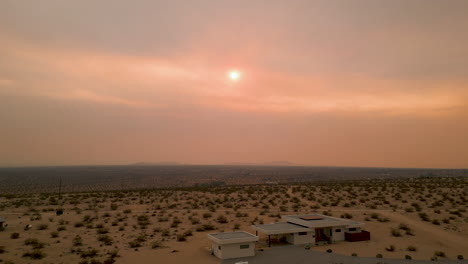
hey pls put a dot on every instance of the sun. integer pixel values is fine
(234, 75)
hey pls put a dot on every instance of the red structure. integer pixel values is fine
(361, 236)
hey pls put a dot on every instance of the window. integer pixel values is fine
(337, 230)
(352, 229)
(302, 233)
(244, 246)
(219, 247)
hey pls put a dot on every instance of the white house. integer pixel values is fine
(233, 244)
(313, 229)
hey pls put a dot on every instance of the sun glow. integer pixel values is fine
(234, 75)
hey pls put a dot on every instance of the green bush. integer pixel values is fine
(90, 253)
(390, 248)
(77, 241)
(221, 219)
(424, 217)
(155, 244)
(181, 237)
(42, 227)
(346, 215)
(34, 243)
(35, 254)
(107, 240)
(411, 248)
(395, 232)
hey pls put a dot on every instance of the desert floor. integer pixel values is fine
(421, 218)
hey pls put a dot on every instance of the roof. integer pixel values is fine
(2, 219)
(232, 237)
(318, 220)
(355, 224)
(311, 217)
(280, 228)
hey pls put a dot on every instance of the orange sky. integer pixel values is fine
(359, 83)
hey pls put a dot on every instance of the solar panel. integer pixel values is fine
(311, 217)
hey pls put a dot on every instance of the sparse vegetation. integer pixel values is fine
(390, 248)
(34, 254)
(411, 248)
(169, 215)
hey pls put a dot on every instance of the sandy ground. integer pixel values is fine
(169, 214)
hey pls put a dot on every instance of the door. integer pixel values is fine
(318, 234)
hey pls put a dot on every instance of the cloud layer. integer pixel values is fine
(304, 64)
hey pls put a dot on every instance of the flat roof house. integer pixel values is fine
(313, 229)
(233, 244)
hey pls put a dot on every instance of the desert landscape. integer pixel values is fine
(234, 132)
(420, 218)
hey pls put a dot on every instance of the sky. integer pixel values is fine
(369, 83)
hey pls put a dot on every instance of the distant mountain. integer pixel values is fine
(270, 163)
(167, 163)
(279, 163)
(241, 164)
(175, 163)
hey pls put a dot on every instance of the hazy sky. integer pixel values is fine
(342, 83)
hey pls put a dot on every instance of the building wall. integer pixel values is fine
(357, 230)
(228, 251)
(338, 236)
(216, 250)
(296, 239)
(304, 239)
(290, 238)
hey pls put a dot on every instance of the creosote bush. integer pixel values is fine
(390, 248)
(395, 232)
(156, 244)
(411, 248)
(77, 241)
(34, 243)
(34, 254)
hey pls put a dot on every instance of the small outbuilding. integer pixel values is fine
(233, 244)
